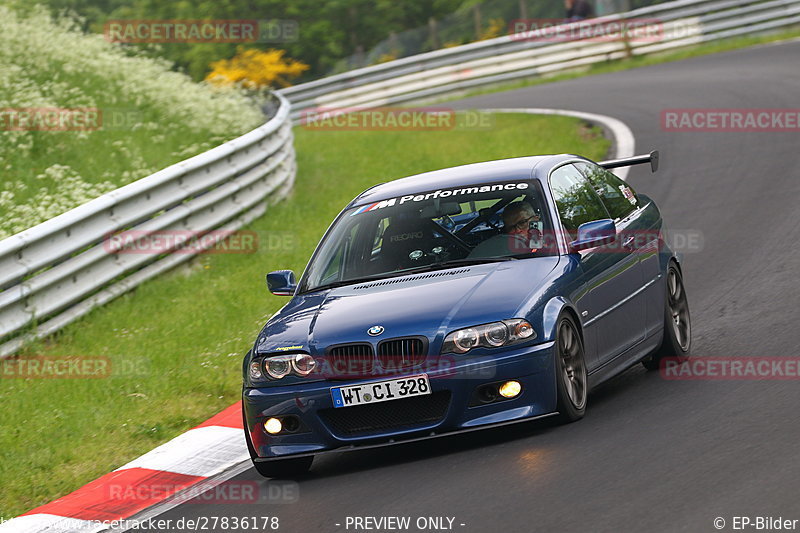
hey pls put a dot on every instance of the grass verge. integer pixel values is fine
(175, 344)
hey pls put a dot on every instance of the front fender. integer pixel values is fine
(552, 310)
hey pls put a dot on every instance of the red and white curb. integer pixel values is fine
(191, 458)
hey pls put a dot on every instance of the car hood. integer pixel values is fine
(429, 304)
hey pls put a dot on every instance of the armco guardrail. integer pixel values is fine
(58, 271)
(61, 269)
(512, 57)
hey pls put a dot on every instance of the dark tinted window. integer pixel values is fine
(415, 231)
(576, 200)
(617, 196)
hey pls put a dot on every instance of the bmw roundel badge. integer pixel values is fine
(374, 331)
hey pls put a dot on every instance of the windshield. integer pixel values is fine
(433, 229)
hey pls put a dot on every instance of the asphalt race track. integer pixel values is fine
(651, 454)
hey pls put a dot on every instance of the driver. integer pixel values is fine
(517, 233)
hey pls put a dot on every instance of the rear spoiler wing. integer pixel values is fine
(651, 158)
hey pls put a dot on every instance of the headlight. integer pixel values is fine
(496, 334)
(303, 364)
(464, 340)
(492, 335)
(255, 370)
(280, 366)
(521, 330)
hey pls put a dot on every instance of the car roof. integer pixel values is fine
(518, 168)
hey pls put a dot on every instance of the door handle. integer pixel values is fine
(629, 242)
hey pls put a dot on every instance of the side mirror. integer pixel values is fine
(281, 283)
(594, 233)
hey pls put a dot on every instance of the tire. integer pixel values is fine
(677, 340)
(279, 468)
(572, 384)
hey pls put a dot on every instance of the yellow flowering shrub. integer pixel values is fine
(256, 69)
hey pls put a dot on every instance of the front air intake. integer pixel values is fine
(350, 360)
(395, 354)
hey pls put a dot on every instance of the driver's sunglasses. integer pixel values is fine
(524, 224)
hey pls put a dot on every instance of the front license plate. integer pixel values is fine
(381, 391)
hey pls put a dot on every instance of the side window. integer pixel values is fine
(617, 196)
(575, 199)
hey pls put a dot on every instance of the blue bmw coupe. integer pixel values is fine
(462, 299)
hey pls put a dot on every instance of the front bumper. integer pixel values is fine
(532, 366)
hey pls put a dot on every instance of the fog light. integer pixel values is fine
(273, 426)
(509, 389)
